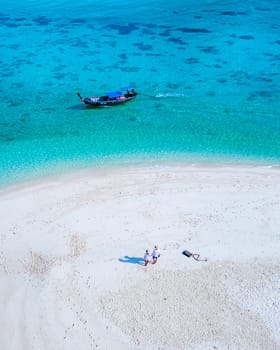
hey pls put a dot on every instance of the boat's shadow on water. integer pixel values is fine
(78, 107)
(132, 260)
(81, 107)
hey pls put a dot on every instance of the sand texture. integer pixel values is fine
(71, 260)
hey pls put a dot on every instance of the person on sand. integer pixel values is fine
(146, 257)
(155, 254)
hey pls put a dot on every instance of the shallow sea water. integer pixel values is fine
(208, 72)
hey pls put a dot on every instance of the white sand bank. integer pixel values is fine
(71, 248)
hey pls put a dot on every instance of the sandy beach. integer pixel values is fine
(71, 259)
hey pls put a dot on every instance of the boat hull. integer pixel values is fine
(95, 102)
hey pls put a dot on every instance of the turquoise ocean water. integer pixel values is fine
(208, 72)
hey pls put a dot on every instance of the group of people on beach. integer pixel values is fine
(155, 255)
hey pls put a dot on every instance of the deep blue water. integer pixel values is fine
(208, 72)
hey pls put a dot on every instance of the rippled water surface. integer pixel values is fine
(208, 74)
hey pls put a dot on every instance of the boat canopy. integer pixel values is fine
(114, 94)
(128, 87)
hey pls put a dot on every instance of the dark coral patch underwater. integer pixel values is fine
(209, 49)
(143, 47)
(42, 20)
(234, 13)
(246, 37)
(123, 29)
(177, 41)
(194, 30)
(191, 60)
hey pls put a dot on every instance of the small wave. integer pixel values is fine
(169, 94)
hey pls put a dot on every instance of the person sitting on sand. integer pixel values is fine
(155, 254)
(146, 257)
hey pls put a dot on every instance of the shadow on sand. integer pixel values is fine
(132, 260)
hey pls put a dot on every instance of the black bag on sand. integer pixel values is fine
(187, 253)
